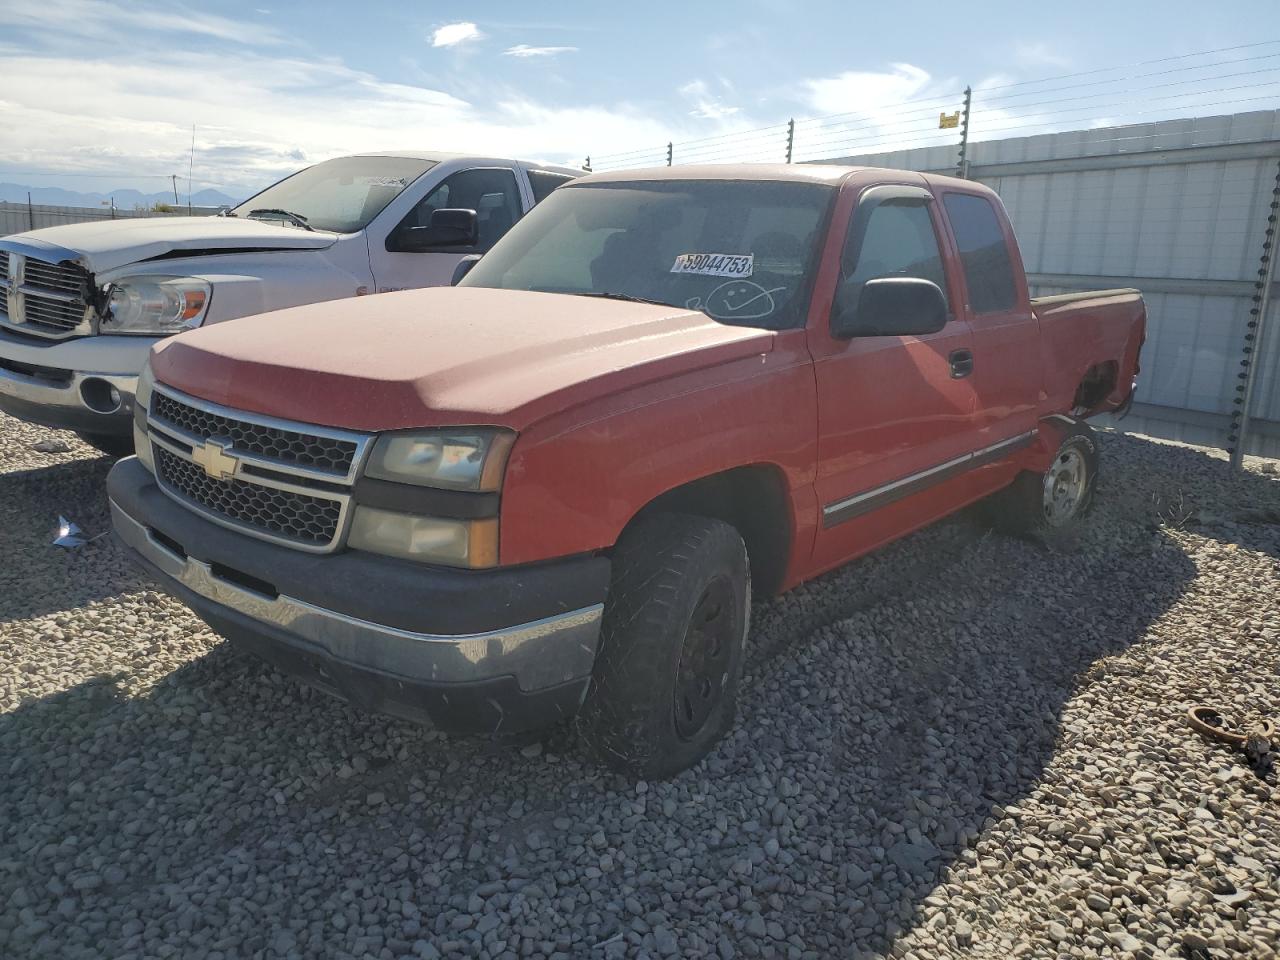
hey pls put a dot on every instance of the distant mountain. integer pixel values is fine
(125, 199)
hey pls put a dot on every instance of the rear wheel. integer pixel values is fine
(664, 688)
(113, 445)
(1049, 506)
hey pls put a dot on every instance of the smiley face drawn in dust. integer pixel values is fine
(736, 300)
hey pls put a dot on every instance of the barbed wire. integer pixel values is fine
(1030, 105)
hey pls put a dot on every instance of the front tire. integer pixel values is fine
(664, 688)
(1049, 506)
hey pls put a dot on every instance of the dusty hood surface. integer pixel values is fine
(444, 356)
(107, 244)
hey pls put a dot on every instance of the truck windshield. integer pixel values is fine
(341, 195)
(741, 251)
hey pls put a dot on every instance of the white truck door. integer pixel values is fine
(498, 193)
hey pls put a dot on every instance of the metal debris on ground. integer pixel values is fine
(70, 536)
(1257, 744)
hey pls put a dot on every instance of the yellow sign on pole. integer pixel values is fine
(947, 121)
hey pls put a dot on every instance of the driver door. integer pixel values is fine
(893, 411)
(492, 192)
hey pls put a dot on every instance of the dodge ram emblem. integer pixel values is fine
(213, 456)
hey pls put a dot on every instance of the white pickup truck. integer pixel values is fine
(81, 305)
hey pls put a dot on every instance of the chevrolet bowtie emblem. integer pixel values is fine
(213, 456)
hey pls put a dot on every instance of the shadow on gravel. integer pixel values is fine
(37, 578)
(889, 708)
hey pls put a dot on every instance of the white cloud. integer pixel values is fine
(261, 115)
(452, 34)
(95, 20)
(1039, 54)
(706, 105)
(524, 50)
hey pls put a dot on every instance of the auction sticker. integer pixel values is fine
(714, 264)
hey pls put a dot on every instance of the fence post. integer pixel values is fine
(791, 137)
(668, 153)
(1257, 328)
(31, 213)
(962, 165)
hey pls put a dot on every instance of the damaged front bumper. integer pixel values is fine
(473, 651)
(86, 384)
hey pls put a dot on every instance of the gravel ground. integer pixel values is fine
(965, 745)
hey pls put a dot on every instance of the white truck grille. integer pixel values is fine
(44, 299)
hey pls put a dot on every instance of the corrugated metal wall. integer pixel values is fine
(1178, 209)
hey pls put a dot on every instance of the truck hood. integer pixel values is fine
(107, 244)
(444, 356)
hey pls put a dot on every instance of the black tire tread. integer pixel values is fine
(655, 562)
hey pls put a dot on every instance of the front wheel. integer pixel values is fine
(664, 688)
(1049, 506)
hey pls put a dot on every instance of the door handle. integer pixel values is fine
(961, 363)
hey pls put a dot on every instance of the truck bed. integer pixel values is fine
(1089, 343)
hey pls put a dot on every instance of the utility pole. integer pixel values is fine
(191, 162)
(791, 137)
(174, 177)
(669, 145)
(962, 165)
(1257, 327)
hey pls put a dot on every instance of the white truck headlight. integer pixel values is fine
(155, 305)
(473, 458)
(455, 543)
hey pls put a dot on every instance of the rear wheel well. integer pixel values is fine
(753, 500)
(1096, 385)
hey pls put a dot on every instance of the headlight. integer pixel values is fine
(455, 459)
(457, 543)
(155, 305)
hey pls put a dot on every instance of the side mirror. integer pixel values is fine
(892, 307)
(464, 267)
(449, 227)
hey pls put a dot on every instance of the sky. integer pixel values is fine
(98, 95)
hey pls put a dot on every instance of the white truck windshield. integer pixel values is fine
(740, 251)
(340, 195)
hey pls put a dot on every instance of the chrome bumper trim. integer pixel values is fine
(539, 654)
(66, 395)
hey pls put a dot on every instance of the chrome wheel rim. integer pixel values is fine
(1065, 485)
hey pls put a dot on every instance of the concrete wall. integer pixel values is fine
(1178, 209)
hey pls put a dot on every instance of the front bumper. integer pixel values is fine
(489, 651)
(86, 384)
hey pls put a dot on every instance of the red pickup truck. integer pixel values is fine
(554, 488)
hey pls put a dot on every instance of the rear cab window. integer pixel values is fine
(984, 252)
(543, 182)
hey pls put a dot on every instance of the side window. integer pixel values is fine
(491, 193)
(543, 182)
(983, 252)
(899, 241)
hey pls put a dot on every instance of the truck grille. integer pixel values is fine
(286, 446)
(273, 479)
(292, 516)
(44, 299)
